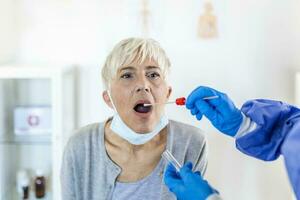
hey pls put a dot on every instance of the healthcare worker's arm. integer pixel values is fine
(267, 129)
(277, 133)
(274, 121)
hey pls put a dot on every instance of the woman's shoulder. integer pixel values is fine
(84, 136)
(85, 152)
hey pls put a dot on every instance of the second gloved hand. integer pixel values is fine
(186, 184)
(221, 111)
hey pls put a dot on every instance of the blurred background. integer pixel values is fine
(247, 49)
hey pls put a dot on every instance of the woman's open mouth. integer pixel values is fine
(140, 108)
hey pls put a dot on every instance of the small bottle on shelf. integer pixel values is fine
(23, 182)
(25, 189)
(40, 184)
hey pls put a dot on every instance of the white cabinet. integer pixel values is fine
(26, 90)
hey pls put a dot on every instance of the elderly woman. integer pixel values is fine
(120, 158)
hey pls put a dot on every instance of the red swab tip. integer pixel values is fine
(180, 101)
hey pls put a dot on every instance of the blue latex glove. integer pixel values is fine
(221, 111)
(186, 184)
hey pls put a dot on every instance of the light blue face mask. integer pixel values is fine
(121, 129)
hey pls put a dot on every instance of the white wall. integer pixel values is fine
(255, 56)
(8, 30)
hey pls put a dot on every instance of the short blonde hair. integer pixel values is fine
(129, 50)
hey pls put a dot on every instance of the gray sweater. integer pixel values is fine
(88, 173)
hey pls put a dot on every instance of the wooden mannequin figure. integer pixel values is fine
(207, 24)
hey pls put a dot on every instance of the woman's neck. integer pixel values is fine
(136, 161)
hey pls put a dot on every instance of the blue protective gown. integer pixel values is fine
(277, 133)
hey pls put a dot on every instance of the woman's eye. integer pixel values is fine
(153, 75)
(126, 76)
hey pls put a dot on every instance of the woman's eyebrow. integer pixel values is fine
(130, 68)
(152, 67)
(127, 68)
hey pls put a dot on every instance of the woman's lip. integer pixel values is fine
(143, 115)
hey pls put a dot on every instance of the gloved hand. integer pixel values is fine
(221, 111)
(187, 185)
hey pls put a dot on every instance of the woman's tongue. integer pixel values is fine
(140, 108)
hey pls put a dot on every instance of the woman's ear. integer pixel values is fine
(107, 99)
(169, 92)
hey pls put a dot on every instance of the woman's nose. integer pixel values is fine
(142, 89)
(142, 85)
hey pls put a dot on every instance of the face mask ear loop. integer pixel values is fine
(111, 100)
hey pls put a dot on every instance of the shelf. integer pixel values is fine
(13, 195)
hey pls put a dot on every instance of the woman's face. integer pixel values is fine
(134, 85)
